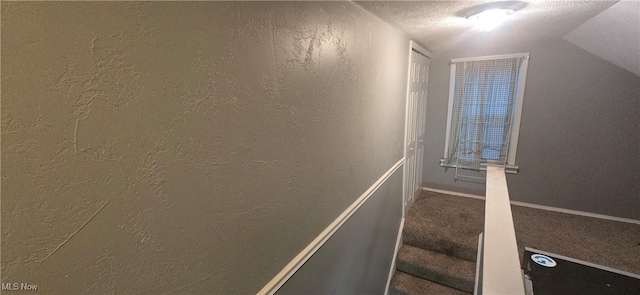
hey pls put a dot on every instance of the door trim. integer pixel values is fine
(419, 49)
(413, 46)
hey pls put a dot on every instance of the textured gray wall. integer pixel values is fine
(187, 147)
(579, 144)
(357, 258)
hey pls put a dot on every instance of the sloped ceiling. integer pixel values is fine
(438, 26)
(613, 35)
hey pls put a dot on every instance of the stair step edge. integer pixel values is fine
(406, 284)
(446, 270)
(449, 248)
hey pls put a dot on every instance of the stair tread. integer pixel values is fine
(433, 218)
(446, 270)
(406, 284)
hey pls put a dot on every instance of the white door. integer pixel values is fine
(415, 125)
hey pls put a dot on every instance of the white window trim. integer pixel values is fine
(452, 85)
(515, 131)
(524, 55)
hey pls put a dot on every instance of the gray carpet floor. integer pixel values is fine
(609, 243)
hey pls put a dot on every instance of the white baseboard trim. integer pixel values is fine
(541, 207)
(395, 255)
(272, 286)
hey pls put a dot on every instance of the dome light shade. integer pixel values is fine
(489, 19)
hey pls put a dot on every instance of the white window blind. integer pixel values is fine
(484, 110)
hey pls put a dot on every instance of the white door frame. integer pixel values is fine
(413, 46)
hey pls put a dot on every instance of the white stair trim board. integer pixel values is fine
(541, 207)
(395, 255)
(478, 277)
(272, 286)
(500, 260)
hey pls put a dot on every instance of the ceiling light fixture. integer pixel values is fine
(488, 16)
(491, 18)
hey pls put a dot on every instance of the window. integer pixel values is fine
(485, 103)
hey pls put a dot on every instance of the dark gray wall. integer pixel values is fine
(187, 147)
(357, 258)
(579, 142)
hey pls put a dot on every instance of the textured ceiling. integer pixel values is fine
(613, 35)
(438, 26)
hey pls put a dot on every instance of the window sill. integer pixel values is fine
(511, 169)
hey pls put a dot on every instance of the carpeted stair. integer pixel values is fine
(440, 244)
(406, 284)
(440, 240)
